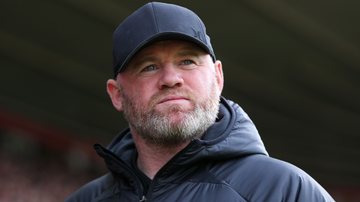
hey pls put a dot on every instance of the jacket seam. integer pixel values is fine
(224, 182)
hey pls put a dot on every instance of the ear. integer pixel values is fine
(113, 90)
(219, 75)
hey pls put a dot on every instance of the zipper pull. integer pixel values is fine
(143, 199)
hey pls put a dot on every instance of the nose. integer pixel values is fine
(170, 77)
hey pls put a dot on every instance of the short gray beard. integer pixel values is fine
(157, 129)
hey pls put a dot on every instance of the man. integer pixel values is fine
(184, 142)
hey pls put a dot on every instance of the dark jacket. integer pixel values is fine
(229, 163)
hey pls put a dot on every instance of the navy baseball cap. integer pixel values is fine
(153, 22)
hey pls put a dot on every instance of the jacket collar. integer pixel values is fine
(232, 136)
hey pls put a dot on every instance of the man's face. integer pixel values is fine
(170, 92)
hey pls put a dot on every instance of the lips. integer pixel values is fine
(172, 98)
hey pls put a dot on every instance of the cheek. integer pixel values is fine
(134, 85)
(201, 83)
(143, 93)
(212, 88)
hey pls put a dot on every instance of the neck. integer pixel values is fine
(151, 158)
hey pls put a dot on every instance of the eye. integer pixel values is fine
(187, 62)
(149, 68)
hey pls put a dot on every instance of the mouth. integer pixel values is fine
(173, 99)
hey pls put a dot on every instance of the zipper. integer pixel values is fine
(143, 199)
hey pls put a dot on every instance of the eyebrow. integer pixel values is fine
(141, 60)
(184, 51)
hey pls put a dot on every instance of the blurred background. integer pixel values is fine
(294, 66)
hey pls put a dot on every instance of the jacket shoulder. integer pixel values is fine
(93, 190)
(262, 178)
